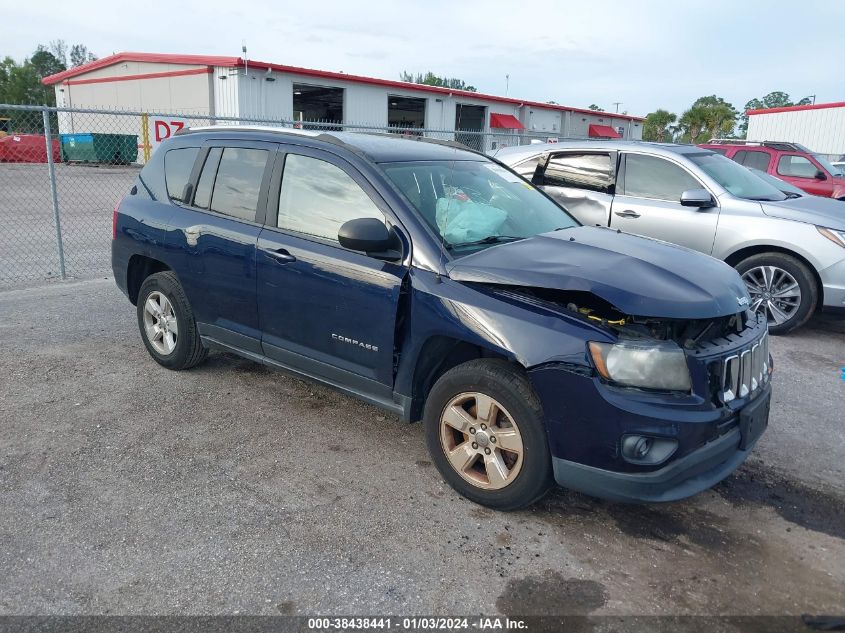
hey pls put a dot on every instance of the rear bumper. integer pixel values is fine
(682, 478)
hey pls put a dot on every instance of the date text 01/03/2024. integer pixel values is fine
(416, 623)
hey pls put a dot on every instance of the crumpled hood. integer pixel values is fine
(810, 209)
(639, 276)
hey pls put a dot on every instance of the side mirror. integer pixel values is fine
(700, 198)
(369, 235)
(820, 175)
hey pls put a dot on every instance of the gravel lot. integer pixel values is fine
(86, 193)
(126, 488)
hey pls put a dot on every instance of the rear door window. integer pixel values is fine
(209, 172)
(238, 182)
(178, 164)
(796, 166)
(581, 171)
(317, 197)
(753, 159)
(657, 178)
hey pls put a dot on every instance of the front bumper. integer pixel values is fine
(682, 478)
(833, 285)
(585, 431)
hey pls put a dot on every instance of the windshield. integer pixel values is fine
(476, 204)
(735, 178)
(782, 185)
(824, 162)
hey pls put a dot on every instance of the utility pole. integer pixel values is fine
(507, 84)
(617, 104)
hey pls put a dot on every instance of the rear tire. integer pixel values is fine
(782, 287)
(493, 449)
(167, 323)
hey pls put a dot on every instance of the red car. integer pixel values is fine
(791, 162)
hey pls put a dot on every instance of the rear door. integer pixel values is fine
(648, 202)
(214, 237)
(321, 307)
(754, 159)
(582, 182)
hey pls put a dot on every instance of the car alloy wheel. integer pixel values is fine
(160, 323)
(774, 291)
(481, 441)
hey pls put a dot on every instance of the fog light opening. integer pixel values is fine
(641, 449)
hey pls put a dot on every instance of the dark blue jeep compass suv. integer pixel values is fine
(434, 282)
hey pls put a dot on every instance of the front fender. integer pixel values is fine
(528, 336)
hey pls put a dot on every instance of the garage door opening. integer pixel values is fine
(470, 118)
(317, 104)
(405, 112)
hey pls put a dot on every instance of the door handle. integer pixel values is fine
(280, 255)
(627, 214)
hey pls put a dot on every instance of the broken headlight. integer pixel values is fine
(648, 364)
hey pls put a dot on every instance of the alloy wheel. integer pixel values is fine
(481, 441)
(160, 323)
(773, 291)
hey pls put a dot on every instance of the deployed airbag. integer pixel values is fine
(462, 220)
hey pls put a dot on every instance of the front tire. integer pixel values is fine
(485, 434)
(167, 323)
(782, 287)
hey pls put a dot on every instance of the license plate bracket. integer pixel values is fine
(753, 420)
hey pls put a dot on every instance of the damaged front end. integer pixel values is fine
(687, 333)
(719, 359)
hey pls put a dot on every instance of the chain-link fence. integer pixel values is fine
(63, 170)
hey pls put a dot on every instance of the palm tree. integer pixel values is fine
(657, 126)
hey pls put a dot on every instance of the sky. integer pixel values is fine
(645, 54)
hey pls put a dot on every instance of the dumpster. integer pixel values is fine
(115, 149)
(26, 148)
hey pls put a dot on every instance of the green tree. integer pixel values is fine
(595, 108)
(430, 79)
(79, 54)
(657, 126)
(776, 99)
(708, 117)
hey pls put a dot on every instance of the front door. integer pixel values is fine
(326, 309)
(802, 172)
(648, 202)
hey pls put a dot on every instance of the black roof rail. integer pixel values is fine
(785, 146)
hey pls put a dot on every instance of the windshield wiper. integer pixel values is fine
(490, 239)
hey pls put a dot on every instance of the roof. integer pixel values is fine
(796, 108)
(211, 60)
(379, 148)
(515, 153)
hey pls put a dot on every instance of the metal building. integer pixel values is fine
(236, 87)
(819, 127)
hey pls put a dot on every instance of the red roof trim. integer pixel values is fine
(403, 85)
(171, 73)
(163, 58)
(209, 60)
(813, 106)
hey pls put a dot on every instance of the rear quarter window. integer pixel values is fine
(178, 164)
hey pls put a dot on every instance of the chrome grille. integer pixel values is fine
(745, 372)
